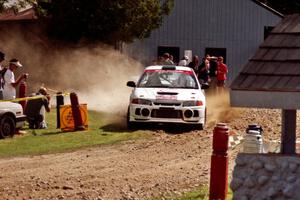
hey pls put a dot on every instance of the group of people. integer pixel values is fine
(165, 59)
(212, 70)
(8, 82)
(35, 108)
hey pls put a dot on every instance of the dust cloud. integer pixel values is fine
(98, 74)
(218, 108)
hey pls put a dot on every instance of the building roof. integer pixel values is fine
(28, 14)
(268, 8)
(275, 66)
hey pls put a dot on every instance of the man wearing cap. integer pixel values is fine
(2, 58)
(10, 84)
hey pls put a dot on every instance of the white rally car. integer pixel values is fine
(11, 118)
(167, 94)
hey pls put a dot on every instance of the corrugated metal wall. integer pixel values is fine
(237, 25)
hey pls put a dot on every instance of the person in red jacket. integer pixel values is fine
(222, 71)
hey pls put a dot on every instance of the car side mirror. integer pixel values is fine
(131, 84)
(204, 86)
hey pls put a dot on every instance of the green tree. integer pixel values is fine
(110, 21)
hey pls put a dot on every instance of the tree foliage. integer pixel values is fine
(285, 7)
(98, 20)
(103, 20)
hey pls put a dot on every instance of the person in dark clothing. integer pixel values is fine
(203, 74)
(213, 65)
(195, 64)
(2, 58)
(34, 110)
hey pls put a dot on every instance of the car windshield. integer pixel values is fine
(168, 79)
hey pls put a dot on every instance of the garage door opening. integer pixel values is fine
(216, 52)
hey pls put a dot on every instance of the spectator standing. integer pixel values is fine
(222, 71)
(172, 59)
(159, 61)
(183, 61)
(35, 109)
(166, 59)
(2, 58)
(10, 84)
(213, 65)
(203, 74)
(195, 64)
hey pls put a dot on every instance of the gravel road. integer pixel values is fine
(140, 169)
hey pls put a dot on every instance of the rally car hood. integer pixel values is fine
(168, 94)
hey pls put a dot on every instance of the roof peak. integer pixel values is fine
(268, 8)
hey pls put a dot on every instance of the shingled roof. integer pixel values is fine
(28, 14)
(276, 64)
(275, 67)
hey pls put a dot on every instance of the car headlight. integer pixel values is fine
(192, 103)
(141, 101)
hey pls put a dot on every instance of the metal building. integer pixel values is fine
(233, 29)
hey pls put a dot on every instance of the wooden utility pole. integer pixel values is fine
(288, 131)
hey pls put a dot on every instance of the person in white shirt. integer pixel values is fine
(2, 58)
(10, 84)
(183, 61)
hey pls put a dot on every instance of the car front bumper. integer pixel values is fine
(163, 114)
(20, 121)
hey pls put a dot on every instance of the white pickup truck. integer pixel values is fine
(11, 118)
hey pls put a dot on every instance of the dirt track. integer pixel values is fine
(167, 163)
(131, 170)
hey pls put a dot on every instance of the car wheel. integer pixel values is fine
(205, 115)
(130, 125)
(7, 126)
(201, 126)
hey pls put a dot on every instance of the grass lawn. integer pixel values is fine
(200, 193)
(52, 140)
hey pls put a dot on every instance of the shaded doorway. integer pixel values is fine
(174, 51)
(216, 52)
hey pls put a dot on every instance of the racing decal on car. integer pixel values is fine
(177, 71)
(166, 97)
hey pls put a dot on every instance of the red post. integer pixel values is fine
(219, 163)
(76, 112)
(22, 94)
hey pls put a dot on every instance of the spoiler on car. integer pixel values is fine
(169, 67)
